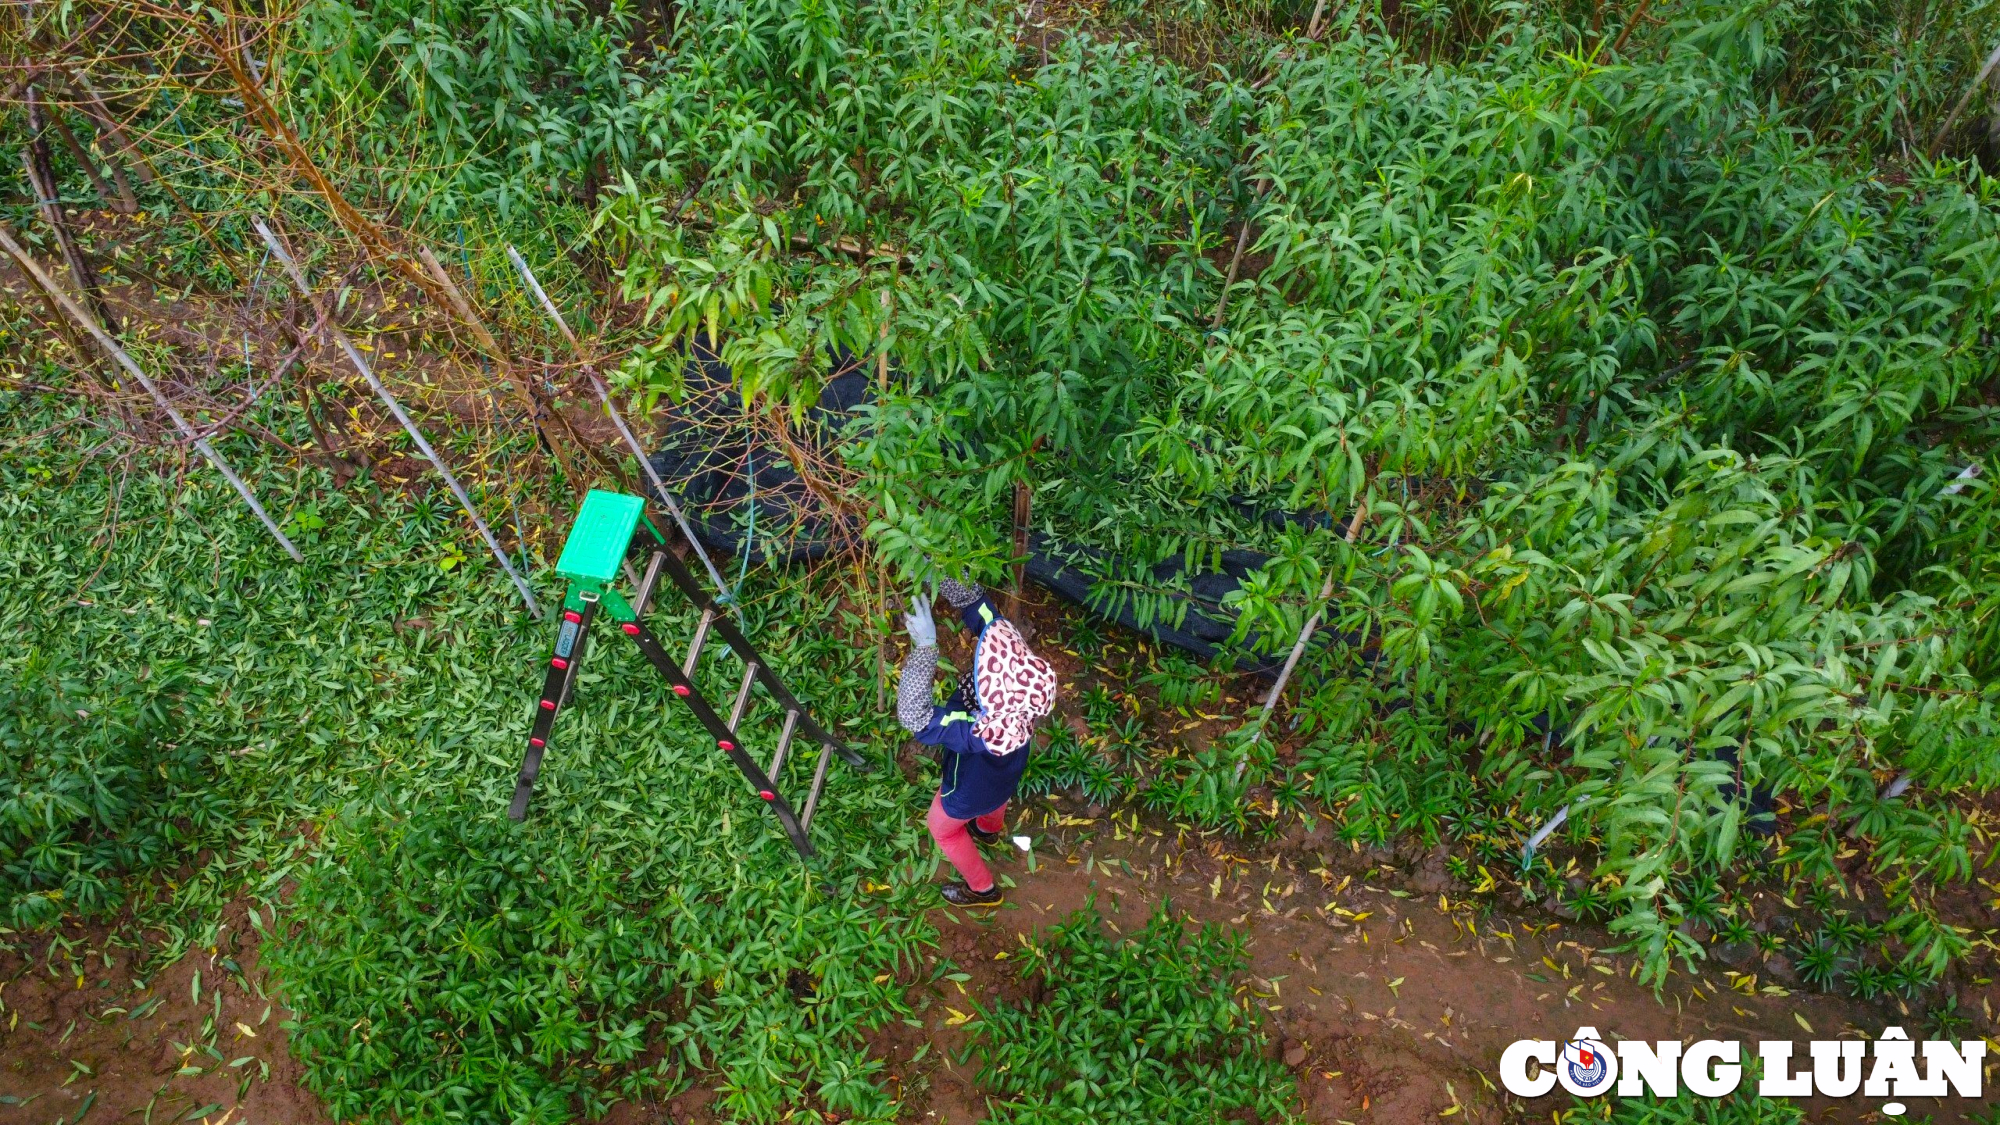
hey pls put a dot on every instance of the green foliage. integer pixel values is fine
(1068, 762)
(648, 924)
(1139, 1029)
(522, 976)
(1744, 1107)
(95, 782)
(513, 106)
(1654, 365)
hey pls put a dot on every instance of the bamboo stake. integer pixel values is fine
(42, 181)
(396, 408)
(123, 360)
(624, 431)
(1299, 649)
(1965, 99)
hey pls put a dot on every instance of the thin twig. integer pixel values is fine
(624, 431)
(42, 182)
(1299, 648)
(117, 353)
(1631, 25)
(396, 408)
(1965, 99)
(538, 405)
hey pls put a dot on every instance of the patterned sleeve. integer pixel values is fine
(914, 703)
(961, 594)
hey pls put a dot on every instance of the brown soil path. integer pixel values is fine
(84, 1040)
(1389, 999)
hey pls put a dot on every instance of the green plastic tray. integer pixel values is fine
(600, 536)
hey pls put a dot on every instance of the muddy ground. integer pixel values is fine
(1388, 997)
(91, 1034)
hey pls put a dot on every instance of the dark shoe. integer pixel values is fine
(958, 894)
(982, 835)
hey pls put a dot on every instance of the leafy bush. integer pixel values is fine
(454, 967)
(649, 922)
(442, 957)
(1744, 1107)
(1142, 1029)
(1652, 380)
(96, 783)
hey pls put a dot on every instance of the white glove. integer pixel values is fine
(920, 626)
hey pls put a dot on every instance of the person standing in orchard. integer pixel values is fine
(984, 730)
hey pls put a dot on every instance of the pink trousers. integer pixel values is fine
(958, 845)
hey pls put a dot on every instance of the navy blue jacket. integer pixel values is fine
(976, 781)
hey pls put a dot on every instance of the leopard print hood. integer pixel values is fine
(1015, 688)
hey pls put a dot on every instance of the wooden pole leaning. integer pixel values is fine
(354, 357)
(119, 356)
(631, 440)
(1299, 647)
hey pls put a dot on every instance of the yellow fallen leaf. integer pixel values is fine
(1803, 1023)
(957, 1017)
(245, 1029)
(1396, 984)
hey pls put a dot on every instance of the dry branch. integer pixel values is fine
(624, 431)
(333, 329)
(125, 361)
(1299, 648)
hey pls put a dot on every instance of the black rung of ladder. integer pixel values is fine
(711, 620)
(561, 677)
(723, 734)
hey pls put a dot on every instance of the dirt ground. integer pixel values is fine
(1389, 998)
(85, 1038)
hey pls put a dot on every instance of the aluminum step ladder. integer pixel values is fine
(610, 531)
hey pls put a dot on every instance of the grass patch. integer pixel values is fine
(1141, 1029)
